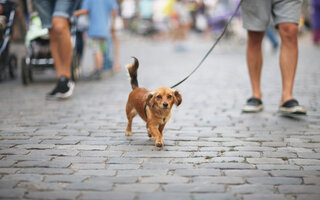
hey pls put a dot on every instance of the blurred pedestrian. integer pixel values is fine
(316, 21)
(271, 35)
(181, 21)
(256, 15)
(100, 12)
(128, 12)
(54, 15)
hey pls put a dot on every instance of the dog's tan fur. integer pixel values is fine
(154, 107)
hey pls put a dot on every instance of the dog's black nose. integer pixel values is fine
(165, 104)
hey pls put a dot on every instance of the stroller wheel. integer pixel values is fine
(13, 66)
(25, 72)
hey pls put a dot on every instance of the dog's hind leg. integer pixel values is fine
(130, 115)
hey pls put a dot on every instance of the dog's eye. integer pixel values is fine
(159, 97)
(169, 96)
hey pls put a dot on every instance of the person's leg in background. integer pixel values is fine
(288, 58)
(256, 18)
(54, 16)
(287, 17)
(272, 37)
(61, 47)
(254, 61)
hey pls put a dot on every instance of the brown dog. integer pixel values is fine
(154, 107)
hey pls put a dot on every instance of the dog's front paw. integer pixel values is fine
(128, 133)
(159, 144)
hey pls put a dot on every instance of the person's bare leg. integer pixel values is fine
(254, 61)
(288, 58)
(116, 60)
(61, 47)
(98, 60)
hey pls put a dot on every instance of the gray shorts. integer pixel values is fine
(258, 14)
(54, 8)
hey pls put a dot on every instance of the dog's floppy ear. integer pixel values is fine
(177, 98)
(149, 99)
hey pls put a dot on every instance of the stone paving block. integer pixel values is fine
(311, 168)
(41, 186)
(218, 179)
(282, 155)
(164, 179)
(245, 173)
(294, 173)
(101, 153)
(14, 151)
(215, 196)
(276, 167)
(143, 172)
(309, 155)
(299, 189)
(28, 158)
(78, 166)
(305, 161)
(112, 179)
(95, 172)
(65, 178)
(36, 146)
(98, 186)
(164, 195)
(54, 152)
(6, 163)
(265, 161)
(137, 187)
(8, 184)
(312, 180)
(83, 147)
(78, 159)
(264, 197)
(8, 170)
(64, 194)
(54, 164)
(166, 166)
(274, 180)
(227, 165)
(227, 159)
(242, 154)
(124, 160)
(12, 193)
(194, 187)
(123, 166)
(158, 154)
(197, 172)
(110, 195)
(22, 177)
(308, 197)
(60, 142)
(51, 171)
(252, 189)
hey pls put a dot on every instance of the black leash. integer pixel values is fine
(213, 46)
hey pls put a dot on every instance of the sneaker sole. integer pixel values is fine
(252, 109)
(298, 110)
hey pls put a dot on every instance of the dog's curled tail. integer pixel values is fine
(132, 69)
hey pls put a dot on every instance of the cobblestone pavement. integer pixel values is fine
(77, 149)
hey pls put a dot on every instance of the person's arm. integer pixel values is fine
(81, 12)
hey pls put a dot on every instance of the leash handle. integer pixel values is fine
(212, 47)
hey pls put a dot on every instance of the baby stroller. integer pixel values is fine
(8, 62)
(39, 56)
